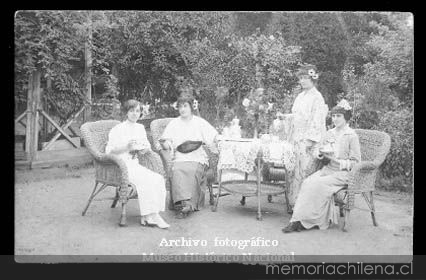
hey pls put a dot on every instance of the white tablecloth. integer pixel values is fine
(240, 154)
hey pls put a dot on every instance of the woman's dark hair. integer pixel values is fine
(304, 71)
(186, 96)
(347, 114)
(130, 104)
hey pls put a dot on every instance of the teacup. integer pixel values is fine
(138, 146)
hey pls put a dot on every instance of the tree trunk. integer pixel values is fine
(88, 69)
(33, 104)
(259, 75)
(46, 129)
(274, 22)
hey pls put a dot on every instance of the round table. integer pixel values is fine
(248, 155)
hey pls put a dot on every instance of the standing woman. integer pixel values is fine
(307, 128)
(188, 178)
(126, 140)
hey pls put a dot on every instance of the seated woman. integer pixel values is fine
(188, 178)
(339, 151)
(126, 140)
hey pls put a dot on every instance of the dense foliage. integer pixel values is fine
(53, 42)
(225, 75)
(382, 94)
(224, 56)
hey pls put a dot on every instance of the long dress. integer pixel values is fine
(150, 185)
(188, 180)
(308, 118)
(315, 205)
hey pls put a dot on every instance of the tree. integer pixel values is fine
(381, 92)
(146, 49)
(323, 43)
(394, 61)
(386, 78)
(51, 42)
(224, 72)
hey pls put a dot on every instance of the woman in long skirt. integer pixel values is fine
(124, 140)
(341, 150)
(305, 128)
(188, 179)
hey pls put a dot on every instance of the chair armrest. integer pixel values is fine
(364, 166)
(152, 161)
(362, 176)
(126, 188)
(111, 158)
(166, 160)
(213, 161)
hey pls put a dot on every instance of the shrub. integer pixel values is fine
(397, 170)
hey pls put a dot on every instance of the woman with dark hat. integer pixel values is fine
(184, 136)
(339, 151)
(306, 127)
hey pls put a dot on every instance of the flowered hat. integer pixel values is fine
(308, 69)
(343, 107)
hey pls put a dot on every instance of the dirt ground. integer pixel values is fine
(48, 221)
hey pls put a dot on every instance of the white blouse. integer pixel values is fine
(196, 129)
(309, 114)
(121, 134)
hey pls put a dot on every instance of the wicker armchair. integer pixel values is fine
(110, 169)
(375, 146)
(157, 128)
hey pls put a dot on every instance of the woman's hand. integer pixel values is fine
(143, 151)
(132, 145)
(330, 157)
(166, 145)
(320, 156)
(276, 124)
(309, 143)
(282, 116)
(325, 157)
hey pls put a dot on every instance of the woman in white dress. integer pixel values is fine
(305, 128)
(341, 150)
(188, 178)
(126, 140)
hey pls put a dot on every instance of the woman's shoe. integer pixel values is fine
(156, 220)
(160, 222)
(181, 215)
(147, 222)
(342, 214)
(144, 222)
(300, 227)
(186, 209)
(294, 226)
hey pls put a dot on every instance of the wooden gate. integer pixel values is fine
(33, 114)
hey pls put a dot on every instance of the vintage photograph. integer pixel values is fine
(213, 136)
